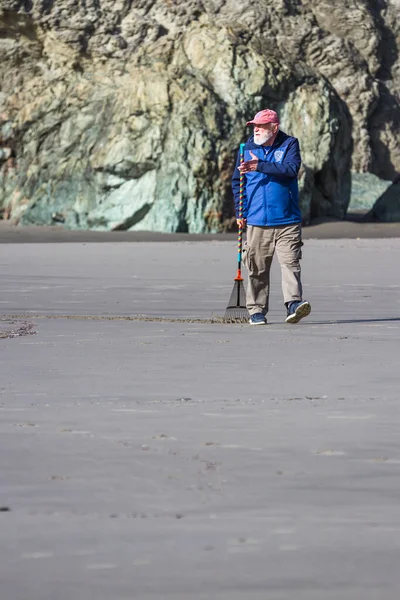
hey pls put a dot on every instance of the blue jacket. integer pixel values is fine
(271, 194)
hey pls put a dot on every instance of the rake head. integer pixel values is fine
(236, 311)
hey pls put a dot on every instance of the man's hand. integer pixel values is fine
(241, 223)
(249, 165)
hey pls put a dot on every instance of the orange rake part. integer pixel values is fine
(236, 311)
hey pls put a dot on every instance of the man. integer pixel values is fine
(272, 215)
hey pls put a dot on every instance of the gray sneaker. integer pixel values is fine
(297, 310)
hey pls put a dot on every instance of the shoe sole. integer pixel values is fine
(261, 323)
(301, 311)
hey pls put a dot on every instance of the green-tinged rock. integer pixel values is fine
(366, 188)
(124, 206)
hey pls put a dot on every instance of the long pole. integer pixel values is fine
(240, 216)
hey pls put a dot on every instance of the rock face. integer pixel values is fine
(387, 207)
(122, 115)
(365, 189)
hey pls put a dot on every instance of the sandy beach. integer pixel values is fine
(326, 229)
(149, 453)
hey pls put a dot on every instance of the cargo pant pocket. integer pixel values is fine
(300, 251)
(245, 255)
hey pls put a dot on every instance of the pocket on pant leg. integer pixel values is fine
(297, 244)
(300, 246)
(296, 251)
(250, 261)
(289, 245)
(245, 254)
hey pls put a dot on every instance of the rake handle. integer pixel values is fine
(240, 231)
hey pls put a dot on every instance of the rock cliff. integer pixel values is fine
(127, 115)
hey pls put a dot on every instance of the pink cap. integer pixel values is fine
(264, 116)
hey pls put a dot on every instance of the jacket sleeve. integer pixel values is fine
(236, 189)
(288, 168)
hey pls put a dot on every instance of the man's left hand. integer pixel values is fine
(249, 165)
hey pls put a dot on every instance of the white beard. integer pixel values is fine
(263, 138)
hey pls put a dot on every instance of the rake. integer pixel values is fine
(236, 311)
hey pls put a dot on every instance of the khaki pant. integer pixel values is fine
(257, 257)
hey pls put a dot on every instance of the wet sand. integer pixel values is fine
(325, 229)
(163, 457)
